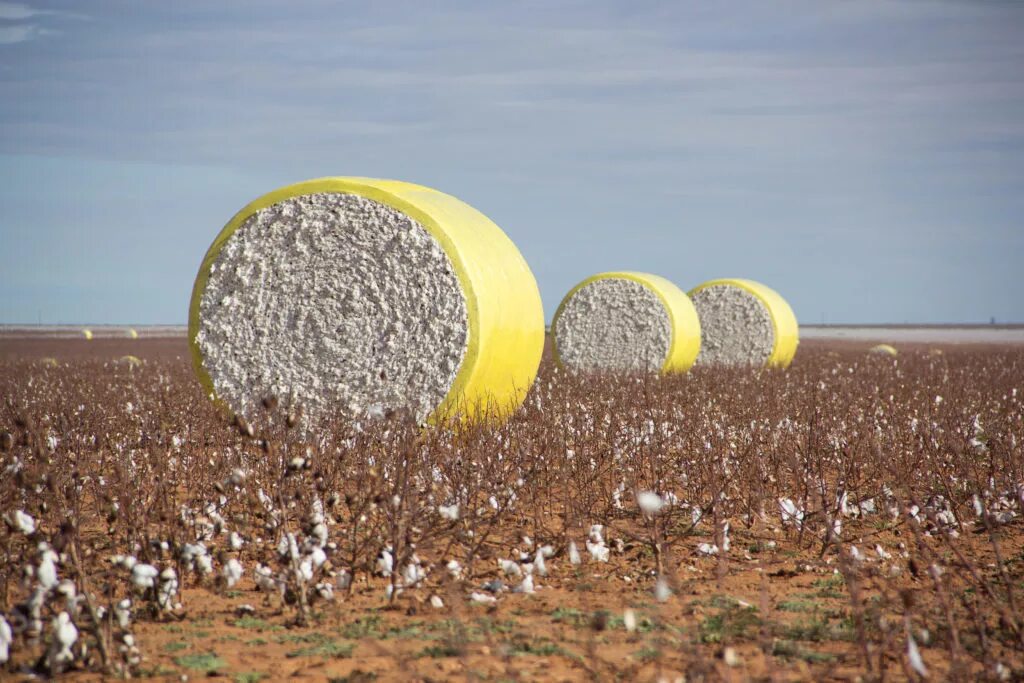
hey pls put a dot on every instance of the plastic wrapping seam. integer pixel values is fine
(503, 304)
(685, 325)
(787, 332)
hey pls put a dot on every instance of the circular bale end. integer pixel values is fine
(355, 296)
(884, 350)
(626, 321)
(744, 323)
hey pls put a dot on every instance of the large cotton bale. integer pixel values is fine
(353, 296)
(625, 321)
(744, 323)
(87, 333)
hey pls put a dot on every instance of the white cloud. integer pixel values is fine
(15, 11)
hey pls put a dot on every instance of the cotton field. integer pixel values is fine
(854, 515)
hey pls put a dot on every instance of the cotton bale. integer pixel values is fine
(87, 334)
(132, 333)
(744, 323)
(359, 296)
(883, 350)
(626, 321)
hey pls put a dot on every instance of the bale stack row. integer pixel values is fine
(348, 297)
(625, 321)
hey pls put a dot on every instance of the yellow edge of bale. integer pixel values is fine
(506, 316)
(685, 343)
(787, 332)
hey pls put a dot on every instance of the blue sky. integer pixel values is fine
(865, 159)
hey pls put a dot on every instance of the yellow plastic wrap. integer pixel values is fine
(787, 332)
(506, 316)
(685, 343)
(87, 333)
(884, 349)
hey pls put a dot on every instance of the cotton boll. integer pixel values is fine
(482, 598)
(574, 553)
(235, 540)
(454, 569)
(6, 638)
(650, 503)
(123, 613)
(598, 551)
(538, 563)
(449, 512)
(385, 562)
(232, 572)
(65, 634)
(662, 592)
(144, 576)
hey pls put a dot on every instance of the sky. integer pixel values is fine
(865, 159)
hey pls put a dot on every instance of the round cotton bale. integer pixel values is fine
(358, 296)
(626, 321)
(131, 361)
(132, 333)
(87, 333)
(883, 350)
(744, 323)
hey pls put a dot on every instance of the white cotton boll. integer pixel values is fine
(204, 564)
(412, 574)
(528, 542)
(856, 554)
(493, 502)
(526, 586)
(547, 551)
(574, 553)
(318, 556)
(144, 576)
(436, 602)
(598, 551)
(123, 613)
(305, 572)
(482, 598)
(46, 574)
(233, 572)
(450, 512)
(264, 577)
(650, 502)
(707, 549)
(168, 588)
(325, 591)
(385, 562)
(914, 656)
(509, 567)
(791, 514)
(596, 533)
(65, 634)
(881, 552)
(725, 538)
(319, 534)
(235, 541)
(23, 522)
(343, 580)
(662, 592)
(629, 620)
(538, 563)
(454, 569)
(6, 638)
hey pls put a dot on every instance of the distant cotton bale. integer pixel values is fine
(131, 361)
(359, 296)
(48, 362)
(132, 334)
(884, 350)
(87, 333)
(626, 321)
(744, 323)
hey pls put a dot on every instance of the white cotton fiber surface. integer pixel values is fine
(613, 324)
(336, 303)
(736, 327)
